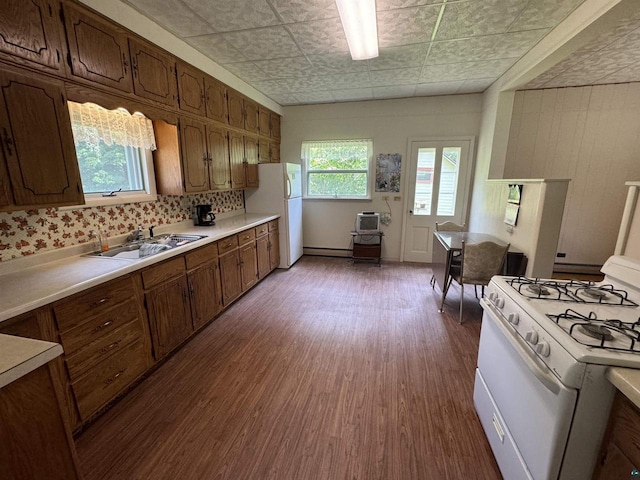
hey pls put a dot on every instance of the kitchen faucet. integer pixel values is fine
(136, 235)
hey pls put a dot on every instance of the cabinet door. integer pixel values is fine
(264, 151)
(230, 276)
(216, 99)
(236, 159)
(154, 74)
(5, 191)
(29, 31)
(236, 109)
(169, 315)
(191, 89)
(275, 126)
(99, 50)
(251, 162)
(35, 127)
(219, 168)
(248, 266)
(274, 249)
(264, 122)
(275, 152)
(205, 299)
(250, 116)
(195, 168)
(262, 254)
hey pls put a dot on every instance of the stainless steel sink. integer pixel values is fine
(149, 247)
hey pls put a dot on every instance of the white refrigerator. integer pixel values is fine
(280, 192)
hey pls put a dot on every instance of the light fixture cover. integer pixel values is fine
(359, 23)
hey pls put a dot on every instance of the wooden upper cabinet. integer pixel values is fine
(250, 116)
(264, 122)
(251, 162)
(236, 160)
(195, 167)
(219, 169)
(29, 31)
(264, 151)
(98, 49)
(37, 141)
(275, 126)
(275, 152)
(191, 89)
(236, 109)
(154, 73)
(216, 100)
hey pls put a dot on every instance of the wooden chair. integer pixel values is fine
(448, 227)
(480, 262)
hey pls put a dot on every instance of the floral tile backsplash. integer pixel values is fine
(29, 232)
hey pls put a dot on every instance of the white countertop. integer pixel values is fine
(23, 290)
(627, 380)
(23, 355)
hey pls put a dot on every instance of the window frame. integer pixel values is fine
(307, 171)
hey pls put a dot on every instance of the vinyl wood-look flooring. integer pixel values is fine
(326, 371)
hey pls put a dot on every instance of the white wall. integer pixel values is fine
(590, 135)
(390, 123)
(628, 242)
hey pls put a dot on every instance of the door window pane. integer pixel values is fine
(448, 181)
(424, 181)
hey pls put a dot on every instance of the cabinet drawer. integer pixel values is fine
(273, 225)
(227, 244)
(102, 383)
(246, 237)
(98, 326)
(105, 346)
(166, 270)
(75, 311)
(201, 255)
(262, 229)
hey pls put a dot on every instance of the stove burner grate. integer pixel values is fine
(571, 291)
(596, 331)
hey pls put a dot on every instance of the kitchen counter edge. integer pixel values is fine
(627, 380)
(21, 356)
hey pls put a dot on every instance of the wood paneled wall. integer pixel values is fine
(590, 135)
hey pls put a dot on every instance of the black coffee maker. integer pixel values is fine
(203, 216)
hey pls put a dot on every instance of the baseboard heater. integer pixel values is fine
(327, 252)
(577, 268)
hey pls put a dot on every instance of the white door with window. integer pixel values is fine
(438, 182)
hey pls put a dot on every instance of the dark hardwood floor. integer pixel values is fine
(326, 371)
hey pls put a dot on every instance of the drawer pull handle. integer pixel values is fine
(109, 347)
(102, 301)
(103, 326)
(110, 380)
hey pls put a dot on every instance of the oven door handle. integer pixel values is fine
(542, 373)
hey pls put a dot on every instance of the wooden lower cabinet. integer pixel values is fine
(205, 291)
(230, 276)
(169, 312)
(274, 249)
(262, 256)
(248, 266)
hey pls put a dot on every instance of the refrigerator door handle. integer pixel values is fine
(288, 186)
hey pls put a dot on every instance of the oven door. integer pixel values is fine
(520, 400)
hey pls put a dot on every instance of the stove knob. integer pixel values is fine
(543, 349)
(492, 296)
(514, 319)
(500, 302)
(532, 337)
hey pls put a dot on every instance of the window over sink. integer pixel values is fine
(114, 154)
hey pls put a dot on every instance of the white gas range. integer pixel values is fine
(545, 345)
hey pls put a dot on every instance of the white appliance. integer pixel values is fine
(280, 192)
(545, 345)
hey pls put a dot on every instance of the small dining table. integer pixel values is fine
(445, 246)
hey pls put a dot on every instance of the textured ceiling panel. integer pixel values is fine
(406, 26)
(292, 11)
(226, 16)
(175, 16)
(543, 14)
(216, 48)
(262, 43)
(322, 36)
(475, 18)
(405, 56)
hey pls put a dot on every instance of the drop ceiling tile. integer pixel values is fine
(490, 47)
(331, 63)
(285, 99)
(400, 57)
(263, 43)
(630, 73)
(346, 80)
(605, 39)
(173, 15)
(285, 67)
(247, 71)
(438, 88)
(292, 11)
(315, 97)
(216, 47)
(465, 71)
(602, 63)
(474, 18)
(406, 26)
(396, 91)
(321, 36)
(292, 85)
(402, 76)
(478, 85)
(544, 14)
(382, 5)
(353, 94)
(629, 42)
(229, 15)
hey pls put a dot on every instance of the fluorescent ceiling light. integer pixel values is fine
(359, 23)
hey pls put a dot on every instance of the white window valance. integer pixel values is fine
(92, 123)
